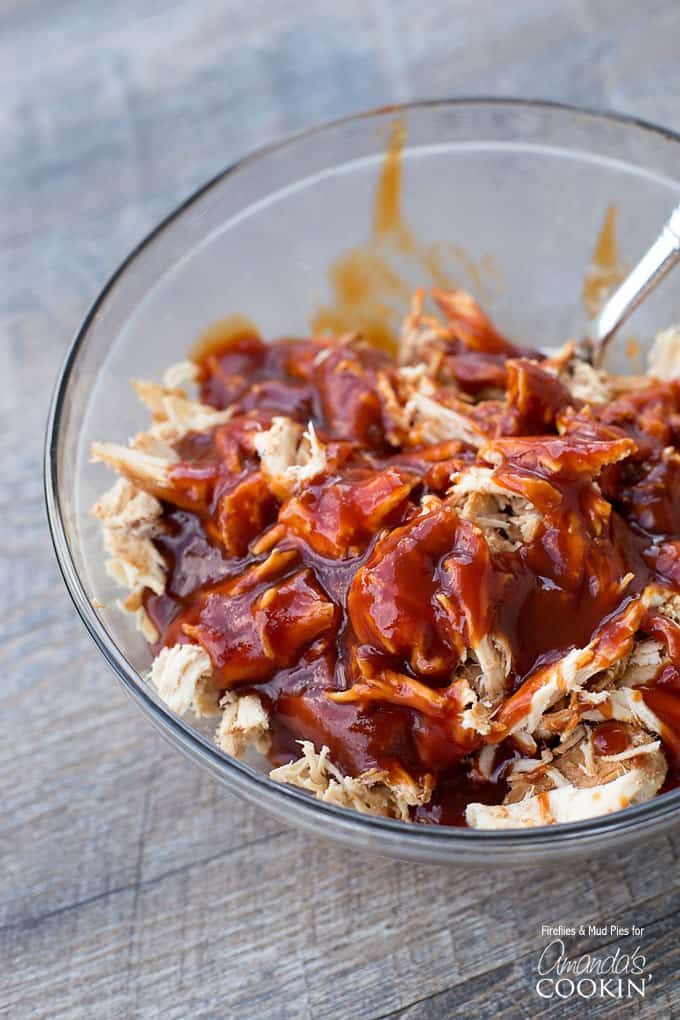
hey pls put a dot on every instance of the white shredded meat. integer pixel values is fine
(585, 382)
(566, 675)
(564, 804)
(135, 561)
(182, 676)
(180, 373)
(644, 663)
(147, 471)
(372, 792)
(624, 704)
(290, 457)
(579, 377)
(127, 508)
(577, 783)
(495, 660)
(174, 415)
(244, 723)
(130, 518)
(664, 357)
(507, 519)
(439, 422)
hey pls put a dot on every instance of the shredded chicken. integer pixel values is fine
(564, 804)
(516, 493)
(244, 723)
(579, 377)
(130, 518)
(372, 792)
(418, 331)
(439, 422)
(145, 470)
(667, 603)
(664, 357)
(146, 461)
(578, 764)
(290, 457)
(507, 519)
(413, 341)
(478, 694)
(495, 659)
(135, 561)
(567, 674)
(577, 784)
(397, 415)
(174, 414)
(478, 716)
(624, 704)
(644, 663)
(182, 675)
(127, 508)
(585, 383)
(485, 760)
(523, 712)
(182, 372)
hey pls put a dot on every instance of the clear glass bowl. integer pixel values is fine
(527, 183)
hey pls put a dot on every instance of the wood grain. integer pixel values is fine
(131, 885)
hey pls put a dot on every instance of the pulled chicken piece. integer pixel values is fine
(147, 471)
(244, 723)
(664, 357)
(126, 508)
(181, 372)
(507, 519)
(374, 792)
(440, 422)
(130, 518)
(581, 783)
(290, 457)
(583, 381)
(174, 414)
(182, 675)
(524, 710)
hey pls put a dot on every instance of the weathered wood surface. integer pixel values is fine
(132, 885)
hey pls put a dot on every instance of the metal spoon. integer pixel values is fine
(641, 281)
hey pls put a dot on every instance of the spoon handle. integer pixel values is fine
(650, 270)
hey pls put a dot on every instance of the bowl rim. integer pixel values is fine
(452, 838)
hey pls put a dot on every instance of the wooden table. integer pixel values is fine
(132, 885)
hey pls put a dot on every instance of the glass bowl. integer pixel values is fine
(518, 191)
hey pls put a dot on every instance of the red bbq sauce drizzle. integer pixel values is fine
(610, 738)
